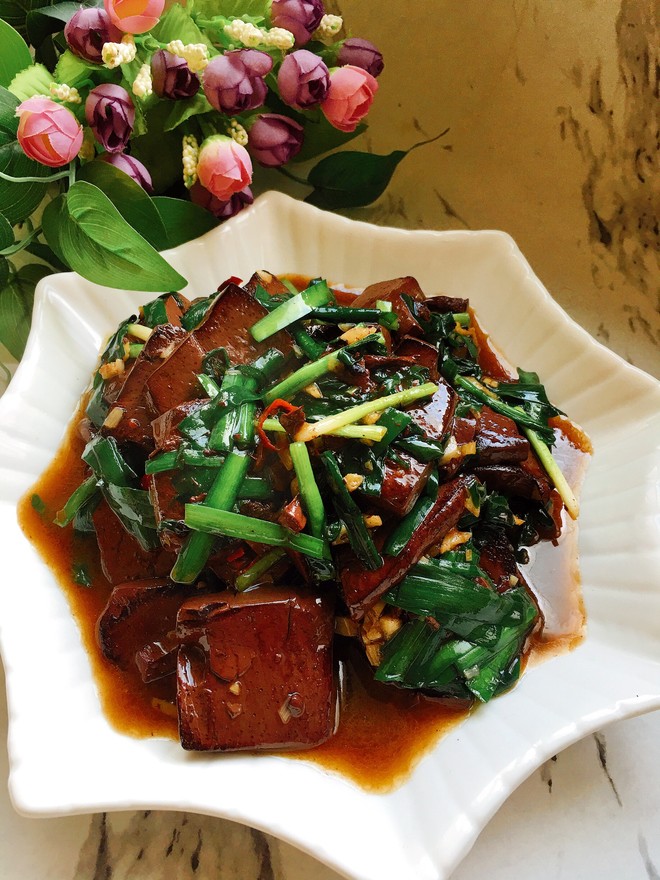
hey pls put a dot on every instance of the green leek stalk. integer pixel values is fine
(252, 574)
(310, 431)
(291, 310)
(208, 521)
(352, 432)
(221, 496)
(309, 489)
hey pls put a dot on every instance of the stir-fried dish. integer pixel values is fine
(273, 472)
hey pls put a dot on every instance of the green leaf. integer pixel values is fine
(15, 54)
(15, 12)
(182, 110)
(6, 233)
(51, 19)
(234, 8)
(4, 272)
(159, 150)
(129, 198)
(73, 70)
(33, 80)
(43, 252)
(86, 231)
(351, 179)
(177, 24)
(18, 200)
(16, 300)
(321, 137)
(8, 118)
(183, 220)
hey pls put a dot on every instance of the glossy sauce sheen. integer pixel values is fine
(384, 730)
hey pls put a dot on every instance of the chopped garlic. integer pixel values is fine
(112, 369)
(114, 417)
(355, 334)
(453, 539)
(313, 390)
(353, 481)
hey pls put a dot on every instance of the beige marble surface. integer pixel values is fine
(552, 115)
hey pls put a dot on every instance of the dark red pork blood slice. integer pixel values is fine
(391, 291)
(136, 614)
(168, 506)
(498, 560)
(361, 588)
(421, 353)
(445, 304)
(158, 658)
(526, 479)
(176, 380)
(403, 483)
(463, 431)
(175, 305)
(165, 428)
(270, 283)
(135, 424)
(122, 558)
(434, 415)
(227, 325)
(255, 670)
(498, 439)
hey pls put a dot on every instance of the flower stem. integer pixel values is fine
(23, 243)
(49, 179)
(291, 176)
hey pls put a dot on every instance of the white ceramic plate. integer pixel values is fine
(64, 756)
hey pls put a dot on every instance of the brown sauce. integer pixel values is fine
(384, 731)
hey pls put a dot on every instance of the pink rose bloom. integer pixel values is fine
(48, 132)
(349, 98)
(224, 167)
(134, 16)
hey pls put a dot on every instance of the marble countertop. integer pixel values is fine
(549, 109)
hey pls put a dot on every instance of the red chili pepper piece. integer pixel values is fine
(276, 406)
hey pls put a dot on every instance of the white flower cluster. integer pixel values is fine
(142, 84)
(249, 35)
(196, 55)
(278, 38)
(65, 93)
(114, 54)
(328, 28)
(243, 32)
(236, 131)
(190, 158)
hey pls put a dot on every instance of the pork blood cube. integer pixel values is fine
(255, 670)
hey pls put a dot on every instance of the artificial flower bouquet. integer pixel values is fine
(130, 127)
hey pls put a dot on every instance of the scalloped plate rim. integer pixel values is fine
(521, 765)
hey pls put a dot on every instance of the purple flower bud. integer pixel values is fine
(301, 17)
(110, 114)
(171, 76)
(303, 79)
(274, 139)
(222, 210)
(234, 82)
(86, 32)
(130, 166)
(361, 53)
